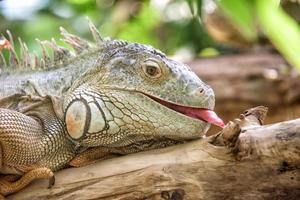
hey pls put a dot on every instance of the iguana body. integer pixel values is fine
(112, 97)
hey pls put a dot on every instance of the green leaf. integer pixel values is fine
(281, 29)
(240, 12)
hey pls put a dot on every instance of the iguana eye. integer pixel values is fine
(151, 69)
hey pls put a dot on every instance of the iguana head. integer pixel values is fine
(132, 93)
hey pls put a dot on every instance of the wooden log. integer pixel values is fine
(244, 161)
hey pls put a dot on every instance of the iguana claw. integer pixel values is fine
(51, 182)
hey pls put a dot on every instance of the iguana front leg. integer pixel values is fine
(32, 143)
(17, 154)
(7, 187)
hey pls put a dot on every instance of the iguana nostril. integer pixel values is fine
(197, 91)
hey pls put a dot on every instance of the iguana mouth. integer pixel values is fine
(203, 114)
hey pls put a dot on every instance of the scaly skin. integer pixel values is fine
(104, 101)
(33, 142)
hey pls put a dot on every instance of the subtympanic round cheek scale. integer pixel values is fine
(82, 118)
(76, 116)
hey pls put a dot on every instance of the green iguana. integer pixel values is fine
(109, 97)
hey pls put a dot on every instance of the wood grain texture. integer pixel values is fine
(264, 163)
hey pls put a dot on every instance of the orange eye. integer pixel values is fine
(152, 69)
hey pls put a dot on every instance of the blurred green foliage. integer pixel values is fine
(241, 12)
(170, 25)
(280, 28)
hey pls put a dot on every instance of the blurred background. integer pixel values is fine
(166, 24)
(248, 50)
(188, 28)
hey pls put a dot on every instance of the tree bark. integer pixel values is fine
(243, 161)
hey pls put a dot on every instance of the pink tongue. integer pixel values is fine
(211, 117)
(204, 114)
(198, 113)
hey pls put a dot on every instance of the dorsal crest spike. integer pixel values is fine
(46, 60)
(28, 57)
(36, 61)
(96, 35)
(79, 45)
(60, 54)
(13, 58)
(25, 60)
(2, 62)
(10, 37)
